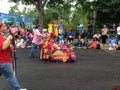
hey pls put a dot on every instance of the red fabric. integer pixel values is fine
(94, 44)
(4, 54)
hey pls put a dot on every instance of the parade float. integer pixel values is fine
(52, 51)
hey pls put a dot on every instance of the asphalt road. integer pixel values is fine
(93, 70)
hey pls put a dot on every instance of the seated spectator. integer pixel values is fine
(81, 42)
(14, 31)
(19, 42)
(112, 43)
(28, 39)
(94, 44)
(70, 37)
(97, 35)
(118, 45)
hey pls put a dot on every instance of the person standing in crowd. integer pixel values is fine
(104, 36)
(6, 68)
(113, 30)
(58, 20)
(90, 30)
(61, 27)
(61, 38)
(80, 27)
(37, 38)
(118, 31)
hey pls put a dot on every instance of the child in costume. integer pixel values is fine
(56, 29)
(50, 27)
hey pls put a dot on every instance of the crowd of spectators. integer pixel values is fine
(107, 38)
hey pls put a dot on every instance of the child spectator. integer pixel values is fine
(112, 43)
(70, 37)
(28, 38)
(19, 42)
(61, 38)
(94, 44)
(97, 35)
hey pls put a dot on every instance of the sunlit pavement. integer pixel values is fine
(93, 70)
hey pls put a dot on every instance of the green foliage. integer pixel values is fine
(50, 14)
(108, 12)
(14, 10)
(82, 9)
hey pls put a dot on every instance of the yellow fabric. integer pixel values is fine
(50, 28)
(56, 29)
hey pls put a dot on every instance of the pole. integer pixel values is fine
(30, 15)
(94, 26)
(94, 21)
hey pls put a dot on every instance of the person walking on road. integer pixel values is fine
(6, 68)
(37, 39)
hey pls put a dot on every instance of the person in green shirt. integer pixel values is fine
(80, 27)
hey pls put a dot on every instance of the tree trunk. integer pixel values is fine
(41, 16)
(40, 7)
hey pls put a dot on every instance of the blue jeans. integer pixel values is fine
(81, 31)
(90, 33)
(33, 49)
(7, 70)
(28, 42)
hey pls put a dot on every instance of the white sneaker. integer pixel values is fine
(23, 89)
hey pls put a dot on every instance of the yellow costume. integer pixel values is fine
(56, 29)
(50, 27)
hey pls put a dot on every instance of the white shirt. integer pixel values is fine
(81, 25)
(118, 30)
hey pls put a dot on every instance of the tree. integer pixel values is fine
(41, 4)
(14, 10)
(108, 12)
